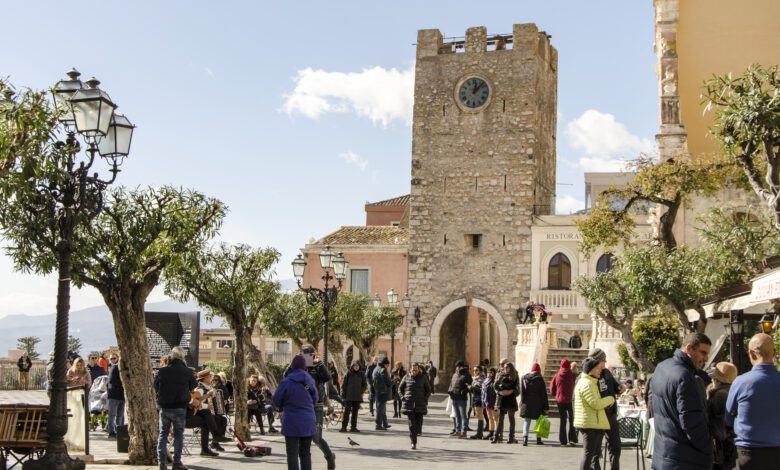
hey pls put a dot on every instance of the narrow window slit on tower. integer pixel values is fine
(504, 107)
(445, 238)
(504, 182)
(476, 183)
(444, 110)
(503, 237)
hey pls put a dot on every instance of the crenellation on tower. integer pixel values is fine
(429, 42)
(476, 39)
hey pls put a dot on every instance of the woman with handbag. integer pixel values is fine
(415, 390)
(533, 400)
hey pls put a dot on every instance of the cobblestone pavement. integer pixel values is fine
(390, 449)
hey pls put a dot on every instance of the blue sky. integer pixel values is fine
(297, 113)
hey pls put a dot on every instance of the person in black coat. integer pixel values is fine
(116, 396)
(507, 387)
(173, 385)
(682, 438)
(459, 394)
(255, 402)
(396, 376)
(533, 400)
(24, 364)
(352, 388)
(415, 389)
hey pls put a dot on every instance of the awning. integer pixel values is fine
(766, 287)
(721, 306)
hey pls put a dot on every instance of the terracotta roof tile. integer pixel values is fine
(369, 235)
(396, 201)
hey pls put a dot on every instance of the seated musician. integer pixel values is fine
(205, 419)
(255, 401)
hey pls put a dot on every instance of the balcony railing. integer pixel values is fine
(561, 302)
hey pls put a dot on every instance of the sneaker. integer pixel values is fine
(216, 446)
(208, 453)
(272, 430)
(179, 466)
(354, 430)
(380, 428)
(414, 446)
(387, 426)
(343, 430)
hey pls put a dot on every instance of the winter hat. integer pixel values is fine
(723, 372)
(589, 364)
(384, 361)
(460, 364)
(535, 367)
(354, 363)
(203, 374)
(565, 364)
(298, 362)
(597, 354)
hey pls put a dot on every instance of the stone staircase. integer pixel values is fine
(553, 363)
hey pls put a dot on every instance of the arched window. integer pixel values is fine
(559, 272)
(605, 263)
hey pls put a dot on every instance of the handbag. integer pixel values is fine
(542, 428)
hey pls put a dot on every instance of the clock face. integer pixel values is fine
(474, 93)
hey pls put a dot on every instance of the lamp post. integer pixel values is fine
(736, 326)
(328, 295)
(392, 300)
(86, 111)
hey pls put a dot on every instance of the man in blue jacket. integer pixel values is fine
(173, 385)
(752, 408)
(682, 438)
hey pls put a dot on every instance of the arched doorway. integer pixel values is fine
(469, 332)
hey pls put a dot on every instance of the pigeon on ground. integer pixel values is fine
(352, 443)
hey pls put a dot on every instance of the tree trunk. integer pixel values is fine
(635, 351)
(256, 359)
(239, 380)
(136, 373)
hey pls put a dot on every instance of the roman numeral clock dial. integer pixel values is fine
(473, 93)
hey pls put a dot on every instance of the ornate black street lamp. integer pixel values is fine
(86, 111)
(328, 295)
(736, 326)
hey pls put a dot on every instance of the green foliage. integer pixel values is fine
(357, 319)
(74, 345)
(292, 317)
(658, 336)
(277, 371)
(232, 281)
(29, 343)
(625, 358)
(220, 366)
(747, 125)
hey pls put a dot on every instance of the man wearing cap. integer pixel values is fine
(203, 418)
(205, 379)
(383, 389)
(589, 415)
(319, 372)
(682, 438)
(609, 387)
(752, 408)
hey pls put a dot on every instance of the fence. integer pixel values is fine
(9, 377)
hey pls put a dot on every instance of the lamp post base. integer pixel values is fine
(55, 461)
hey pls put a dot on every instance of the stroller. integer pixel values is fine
(98, 403)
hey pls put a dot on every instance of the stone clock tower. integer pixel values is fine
(483, 164)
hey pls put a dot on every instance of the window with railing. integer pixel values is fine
(559, 272)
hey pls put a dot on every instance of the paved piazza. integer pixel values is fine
(391, 450)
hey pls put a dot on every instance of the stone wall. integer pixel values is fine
(480, 173)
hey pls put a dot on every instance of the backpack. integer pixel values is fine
(380, 387)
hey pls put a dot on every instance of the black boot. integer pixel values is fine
(497, 437)
(525, 441)
(512, 439)
(539, 441)
(480, 427)
(489, 436)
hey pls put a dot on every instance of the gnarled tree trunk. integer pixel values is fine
(127, 309)
(239, 380)
(256, 360)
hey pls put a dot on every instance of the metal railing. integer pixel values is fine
(9, 377)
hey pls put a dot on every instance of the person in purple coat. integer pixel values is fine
(296, 396)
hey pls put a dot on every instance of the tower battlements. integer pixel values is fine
(524, 38)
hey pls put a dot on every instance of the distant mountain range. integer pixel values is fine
(94, 326)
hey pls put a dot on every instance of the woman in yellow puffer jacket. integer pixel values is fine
(589, 415)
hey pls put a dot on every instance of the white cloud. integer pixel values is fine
(566, 204)
(379, 94)
(607, 143)
(354, 159)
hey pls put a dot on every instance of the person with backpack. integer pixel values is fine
(296, 396)
(383, 388)
(459, 393)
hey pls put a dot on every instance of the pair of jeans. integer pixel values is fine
(381, 413)
(318, 440)
(526, 426)
(298, 452)
(591, 449)
(116, 414)
(168, 417)
(566, 413)
(269, 412)
(257, 413)
(460, 415)
(371, 400)
(350, 414)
